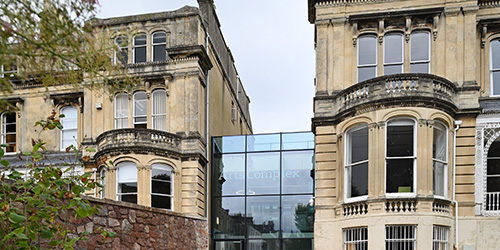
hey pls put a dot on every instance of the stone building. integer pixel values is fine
(157, 136)
(407, 121)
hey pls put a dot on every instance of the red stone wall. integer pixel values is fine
(140, 227)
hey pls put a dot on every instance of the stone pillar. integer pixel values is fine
(111, 183)
(144, 185)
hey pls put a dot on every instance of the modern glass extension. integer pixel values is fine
(262, 190)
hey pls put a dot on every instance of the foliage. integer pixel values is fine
(36, 207)
(304, 218)
(54, 42)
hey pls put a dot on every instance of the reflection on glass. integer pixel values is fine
(297, 216)
(297, 141)
(229, 245)
(263, 214)
(229, 221)
(263, 142)
(229, 144)
(297, 167)
(263, 173)
(438, 178)
(264, 244)
(230, 174)
(298, 244)
(399, 176)
(400, 140)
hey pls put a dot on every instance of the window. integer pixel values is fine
(102, 181)
(440, 238)
(367, 57)
(121, 55)
(69, 132)
(400, 156)
(140, 109)
(161, 186)
(393, 53)
(159, 46)
(356, 163)
(356, 238)
(121, 110)
(439, 159)
(8, 70)
(495, 67)
(127, 182)
(493, 177)
(159, 114)
(140, 48)
(400, 237)
(9, 131)
(420, 54)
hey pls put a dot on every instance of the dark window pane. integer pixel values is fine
(160, 174)
(358, 150)
(123, 56)
(263, 142)
(493, 184)
(141, 125)
(494, 150)
(367, 50)
(359, 180)
(303, 244)
(140, 40)
(132, 198)
(493, 166)
(264, 244)
(236, 245)
(161, 187)
(140, 54)
(263, 215)
(366, 73)
(161, 201)
(298, 141)
(263, 173)
(297, 167)
(159, 37)
(399, 141)
(128, 188)
(159, 53)
(297, 216)
(399, 176)
(229, 217)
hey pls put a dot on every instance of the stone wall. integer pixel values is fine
(139, 227)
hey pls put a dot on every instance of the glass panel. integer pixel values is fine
(264, 244)
(140, 39)
(439, 142)
(495, 82)
(161, 174)
(140, 54)
(419, 46)
(132, 198)
(438, 178)
(393, 69)
(301, 244)
(358, 180)
(367, 50)
(159, 37)
(494, 150)
(399, 140)
(366, 73)
(297, 216)
(229, 221)
(161, 187)
(127, 172)
(122, 56)
(263, 142)
(229, 245)
(495, 54)
(419, 68)
(127, 188)
(493, 166)
(358, 149)
(229, 144)
(493, 184)
(230, 175)
(297, 141)
(263, 216)
(297, 167)
(159, 53)
(263, 173)
(399, 176)
(140, 105)
(393, 48)
(159, 201)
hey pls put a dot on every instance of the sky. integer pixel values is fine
(273, 46)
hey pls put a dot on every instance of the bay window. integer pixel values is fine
(69, 132)
(140, 48)
(161, 186)
(393, 53)
(159, 110)
(420, 52)
(159, 46)
(121, 110)
(495, 67)
(356, 165)
(140, 118)
(367, 57)
(8, 120)
(126, 182)
(439, 159)
(400, 156)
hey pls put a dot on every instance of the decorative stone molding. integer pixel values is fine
(68, 99)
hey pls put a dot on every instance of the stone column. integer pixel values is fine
(111, 183)
(144, 185)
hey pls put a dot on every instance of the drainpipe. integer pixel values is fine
(457, 125)
(208, 143)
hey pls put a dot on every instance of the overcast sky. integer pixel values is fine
(273, 46)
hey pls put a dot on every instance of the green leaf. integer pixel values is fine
(18, 230)
(90, 149)
(16, 218)
(82, 213)
(47, 234)
(2, 152)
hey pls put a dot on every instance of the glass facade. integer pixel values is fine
(262, 188)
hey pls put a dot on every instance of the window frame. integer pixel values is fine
(135, 47)
(441, 237)
(123, 46)
(399, 240)
(134, 116)
(401, 64)
(124, 118)
(155, 115)
(165, 167)
(65, 129)
(445, 162)
(4, 133)
(122, 165)
(492, 70)
(153, 45)
(348, 238)
(496, 195)
(347, 144)
(102, 181)
(414, 157)
(428, 61)
(360, 37)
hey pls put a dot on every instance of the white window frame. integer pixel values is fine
(66, 129)
(445, 162)
(171, 195)
(440, 237)
(4, 132)
(119, 118)
(402, 121)
(140, 46)
(102, 181)
(134, 116)
(401, 64)
(347, 165)
(374, 36)
(153, 44)
(429, 53)
(157, 115)
(394, 229)
(355, 238)
(492, 70)
(122, 165)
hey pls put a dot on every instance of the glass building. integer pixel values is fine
(262, 191)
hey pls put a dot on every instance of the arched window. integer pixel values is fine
(121, 110)
(400, 156)
(69, 132)
(420, 52)
(356, 162)
(159, 46)
(439, 159)
(159, 112)
(393, 53)
(495, 67)
(102, 181)
(9, 131)
(121, 55)
(140, 109)
(367, 57)
(493, 177)
(140, 48)
(161, 186)
(126, 182)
